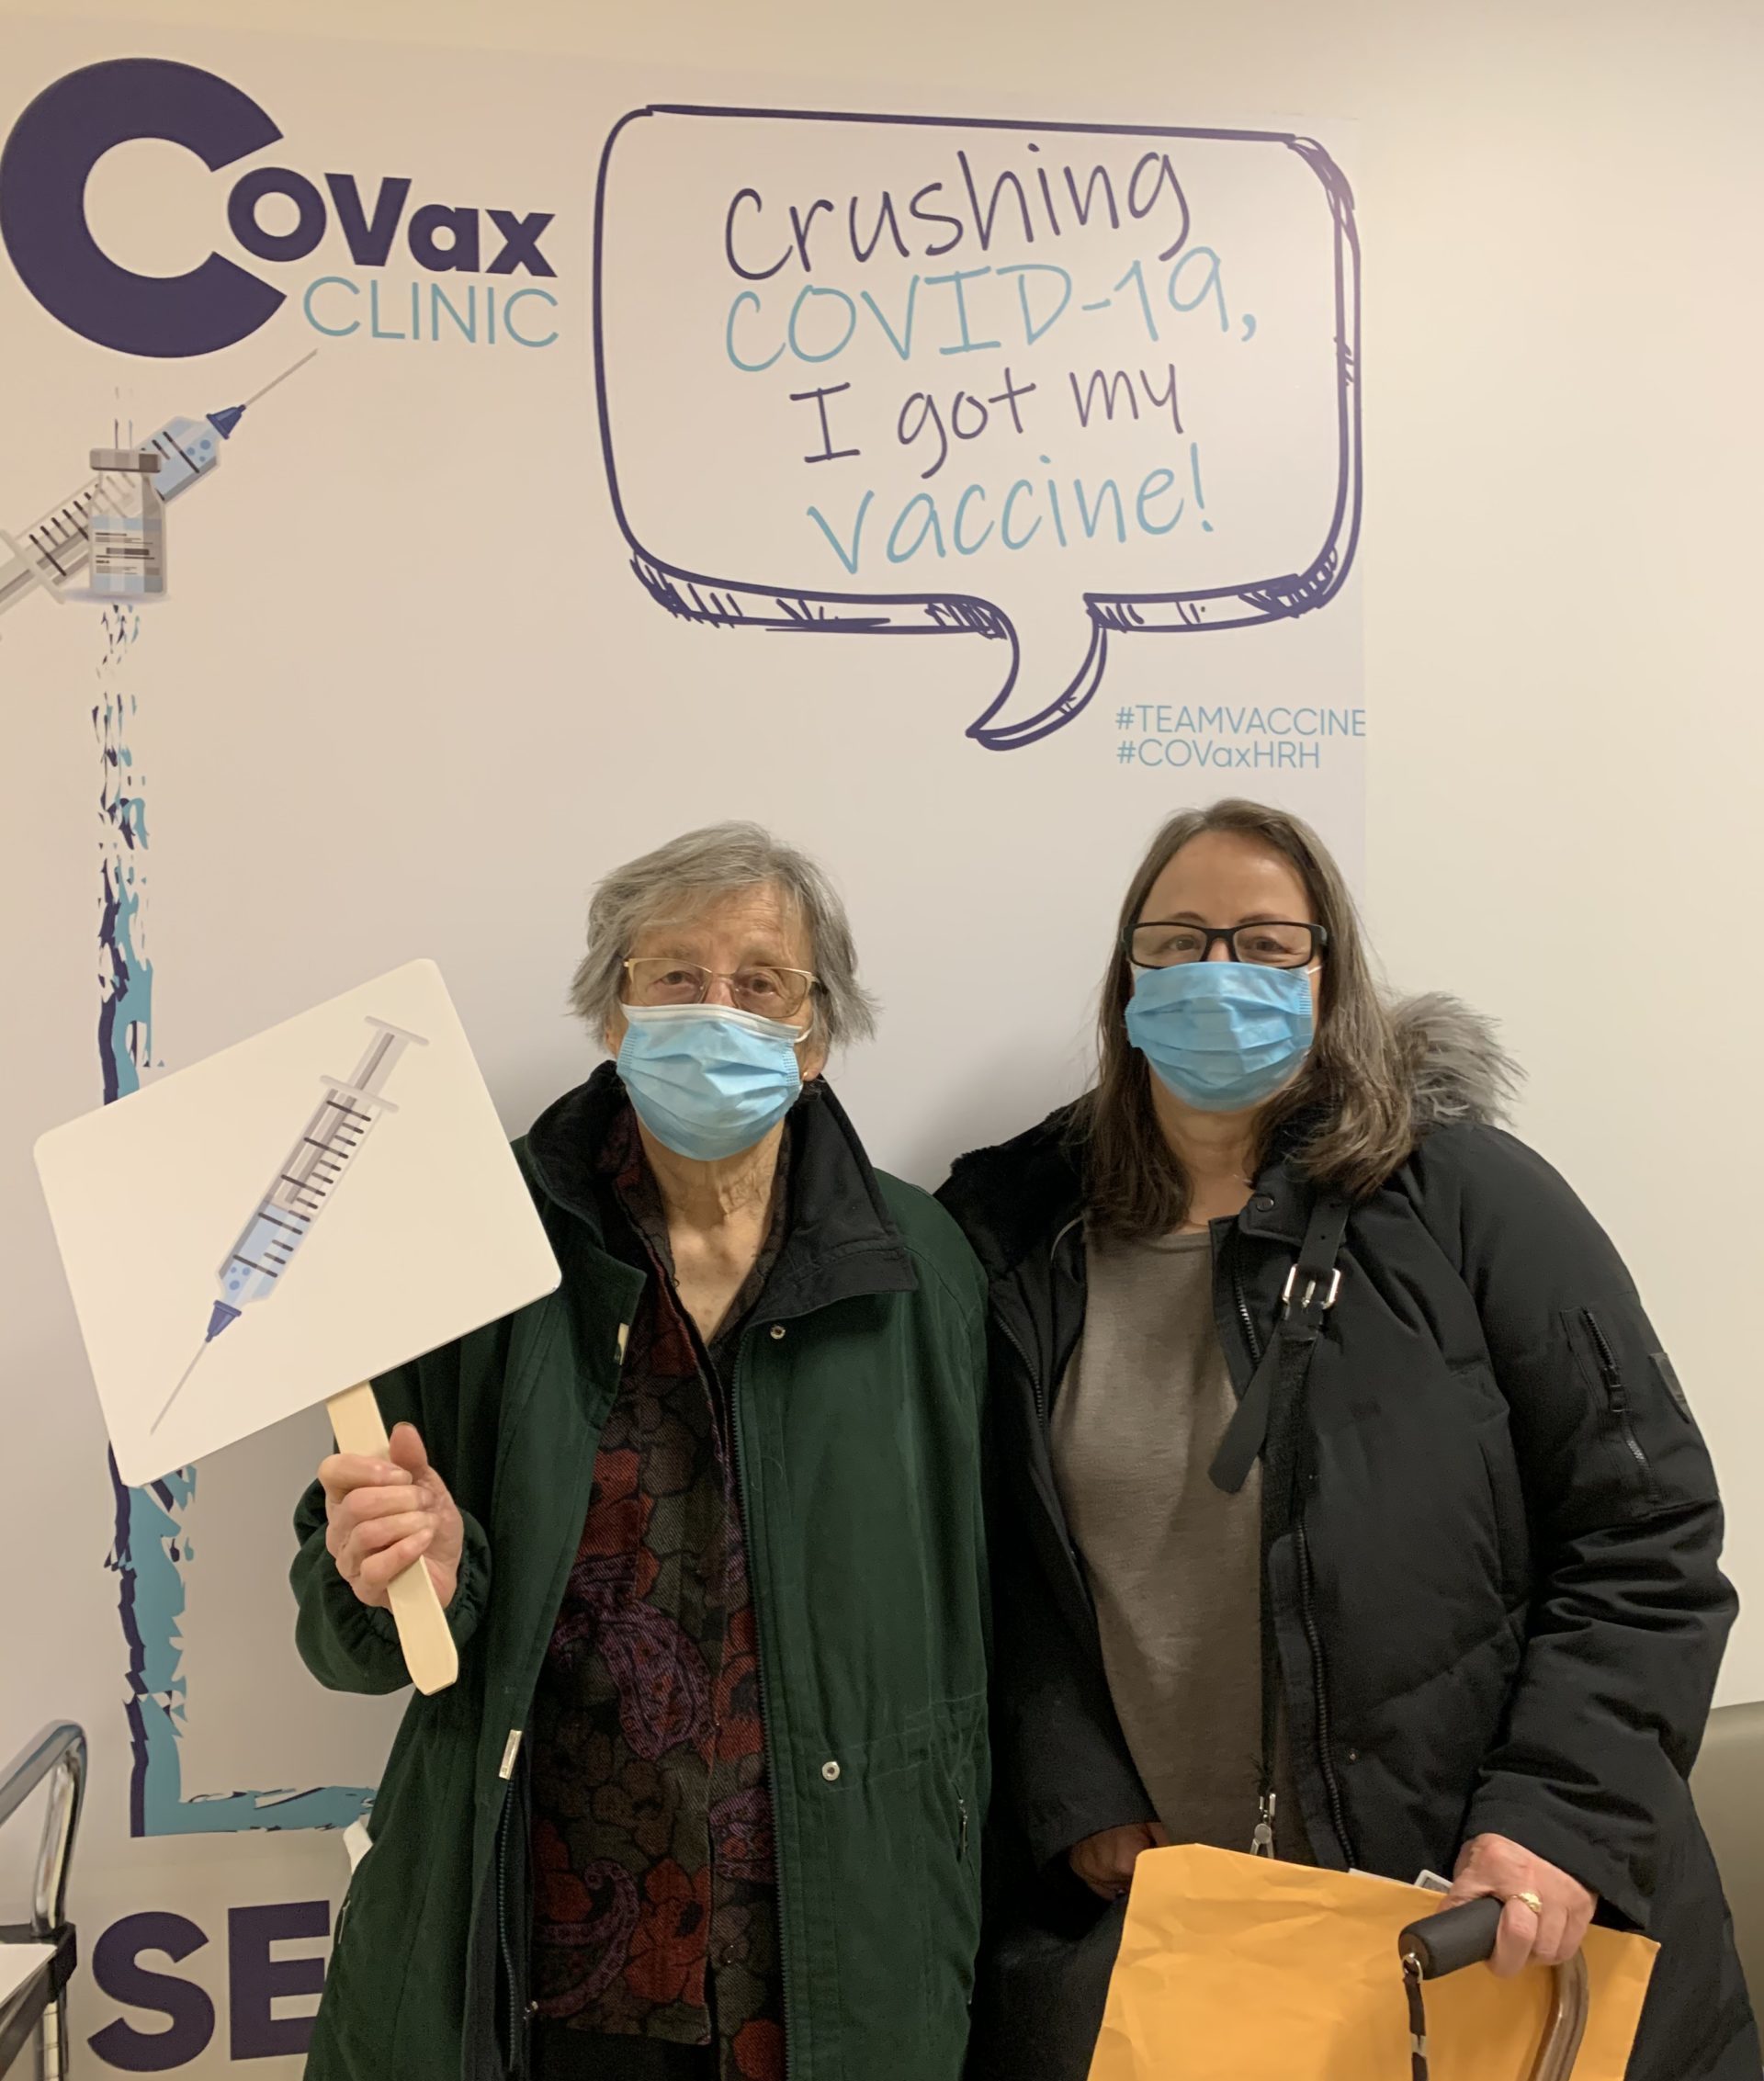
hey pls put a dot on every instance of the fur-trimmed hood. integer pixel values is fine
(1460, 1075)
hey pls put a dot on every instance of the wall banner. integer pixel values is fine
(435, 476)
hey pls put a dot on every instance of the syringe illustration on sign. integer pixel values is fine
(302, 1186)
(114, 525)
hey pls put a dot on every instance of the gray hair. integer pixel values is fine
(702, 864)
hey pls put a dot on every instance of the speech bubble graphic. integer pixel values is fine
(932, 376)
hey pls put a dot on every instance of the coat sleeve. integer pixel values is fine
(1630, 1612)
(1064, 1769)
(350, 1645)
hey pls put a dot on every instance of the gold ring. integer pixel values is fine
(1532, 1902)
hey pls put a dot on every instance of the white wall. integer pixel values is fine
(1562, 654)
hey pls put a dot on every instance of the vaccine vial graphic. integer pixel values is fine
(127, 530)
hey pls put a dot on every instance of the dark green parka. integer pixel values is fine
(857, 1395)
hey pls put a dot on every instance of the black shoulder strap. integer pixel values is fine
(1311, 1288)
(1262, 1429)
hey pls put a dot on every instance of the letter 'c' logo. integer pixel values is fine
(55, 146)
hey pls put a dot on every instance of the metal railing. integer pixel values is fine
(39, 2010)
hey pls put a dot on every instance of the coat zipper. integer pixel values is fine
(1249, 1337)
(1615, 1395)
(1319, 1693)
(514, 1760)
(517, 2014)
(1036, 1386)
(1040, 1397)
(773, 1780)
(504, 1945)
(1308, 1615)
(1034, 1378)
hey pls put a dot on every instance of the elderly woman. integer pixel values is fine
(706, 1524)
(1350, 1509)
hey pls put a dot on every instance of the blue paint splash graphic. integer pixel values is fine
(151, 1545)
(125, 973)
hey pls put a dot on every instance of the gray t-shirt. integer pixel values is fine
(1174, 1564)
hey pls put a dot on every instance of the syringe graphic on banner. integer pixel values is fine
(112, 525)
(308, 1175)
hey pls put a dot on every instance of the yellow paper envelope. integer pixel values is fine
(1238, 1968)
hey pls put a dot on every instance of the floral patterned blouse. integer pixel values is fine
(654, 1901)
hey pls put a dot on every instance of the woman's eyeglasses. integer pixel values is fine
(771, 993)
(1273, 945)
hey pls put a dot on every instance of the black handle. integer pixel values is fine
(1449, 1942)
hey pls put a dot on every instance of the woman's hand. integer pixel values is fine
(1549, 1934)
(1105, 1862)
(381, 1516)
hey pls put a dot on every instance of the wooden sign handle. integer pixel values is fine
(429, 1653)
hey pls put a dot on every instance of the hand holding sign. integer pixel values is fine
(426, 1234)
(384, 1514)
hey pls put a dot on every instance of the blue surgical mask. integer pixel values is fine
(1222, 1035)
(708, 1080)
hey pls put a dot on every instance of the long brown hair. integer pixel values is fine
(1355, 1083)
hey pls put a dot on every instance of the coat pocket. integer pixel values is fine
(1637, 1409)
(877, 1834)
(1598, 1339)
(952, 1898)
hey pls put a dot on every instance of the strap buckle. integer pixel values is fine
(1310, 1292)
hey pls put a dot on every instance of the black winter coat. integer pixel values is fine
(1497, 1600)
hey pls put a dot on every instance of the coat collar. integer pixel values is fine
(842, 1240)
(1015, 1198)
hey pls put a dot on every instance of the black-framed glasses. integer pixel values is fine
(771, 993)
(1268, 944)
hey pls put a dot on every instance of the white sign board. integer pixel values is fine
(328, 1200)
